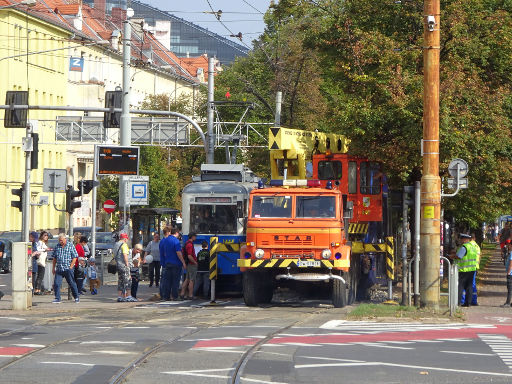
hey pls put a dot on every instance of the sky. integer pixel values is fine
(245, 16)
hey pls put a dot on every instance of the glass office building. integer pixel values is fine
(185, 37)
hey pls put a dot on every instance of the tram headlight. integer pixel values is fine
(259, 253)
(326, 254)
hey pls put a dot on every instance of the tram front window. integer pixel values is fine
(213, 219)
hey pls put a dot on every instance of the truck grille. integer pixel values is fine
(291, 253)
(277, 243)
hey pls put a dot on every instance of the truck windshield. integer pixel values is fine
(315, 207)
(272, 206)
(213, 219)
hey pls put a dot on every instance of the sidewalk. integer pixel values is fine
(105, 300)
(492, 292)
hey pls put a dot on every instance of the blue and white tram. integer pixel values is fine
(216, 204)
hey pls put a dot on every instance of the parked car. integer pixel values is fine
(104, 241)
(6, 260)
(13, 236)
(51, 244)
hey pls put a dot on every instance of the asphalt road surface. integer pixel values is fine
(100, 341)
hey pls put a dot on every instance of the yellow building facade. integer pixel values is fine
(25, 66)
(36, 55)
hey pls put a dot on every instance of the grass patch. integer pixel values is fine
(365, 311)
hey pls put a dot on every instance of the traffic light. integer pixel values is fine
(71, 205)
(18, 192)
(113, 99)
(35, 151)
(86, 186)
(16, 118)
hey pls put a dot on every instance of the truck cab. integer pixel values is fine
(294, 233)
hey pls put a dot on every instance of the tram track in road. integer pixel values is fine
(236, 378)
(60, 342)
(124, 373)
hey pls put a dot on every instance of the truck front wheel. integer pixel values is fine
(339, 293)
(258, 288)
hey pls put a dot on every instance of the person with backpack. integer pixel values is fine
(189, 255)
(203, 270)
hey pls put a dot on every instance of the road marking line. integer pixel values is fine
(404, 366)
(135, 327)
(12, 318)
(469, 353)
(260, 381)
(219, 350)
(29, 345)
(273, 353)
(107, 342)
(67, 353)
(382, 346)
(116, 352)
(27, 338)
(67, 363)
(202, 373)
(332, 359)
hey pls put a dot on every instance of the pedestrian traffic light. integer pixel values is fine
(113, 99)
(16, 118)
(71, 205)
(86, 186)
(35, 151)
(18, 192)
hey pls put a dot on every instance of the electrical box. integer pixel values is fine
(21, 276)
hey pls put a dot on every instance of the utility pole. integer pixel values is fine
(211, 138)
(126, 123)
(25, 216)
(72, 183)
(430, 181)
(93, 203)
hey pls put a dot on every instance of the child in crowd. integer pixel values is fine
(92, 275)
(80, 275)
(135, 274)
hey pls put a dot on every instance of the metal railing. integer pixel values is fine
(453, 285)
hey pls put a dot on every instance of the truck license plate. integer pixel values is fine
(309, 263)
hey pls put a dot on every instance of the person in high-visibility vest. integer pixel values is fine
(468, 260)
(474, 297)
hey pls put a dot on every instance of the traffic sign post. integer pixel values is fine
(458, 169)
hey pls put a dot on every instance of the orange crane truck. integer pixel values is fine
(295, 231)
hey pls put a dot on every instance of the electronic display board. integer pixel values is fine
(115, 160)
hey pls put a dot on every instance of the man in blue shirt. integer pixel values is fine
(64, 259)
(172, 262)
(161, 248)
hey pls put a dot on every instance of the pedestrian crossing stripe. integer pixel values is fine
(357, 228)
(284, 263)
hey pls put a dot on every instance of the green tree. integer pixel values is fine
(365, 81)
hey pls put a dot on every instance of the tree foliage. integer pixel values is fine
(356, 67)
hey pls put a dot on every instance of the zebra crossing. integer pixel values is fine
(501, 345)
(370, 327)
